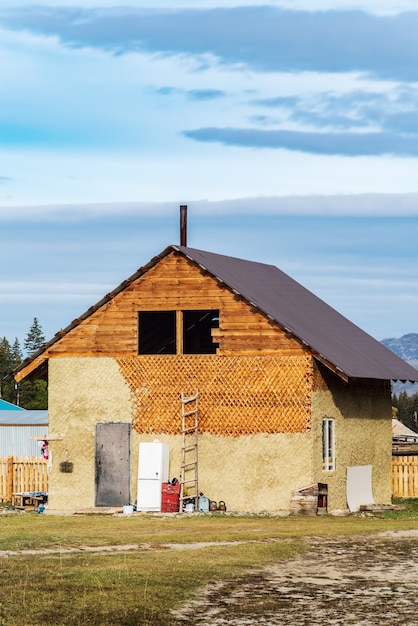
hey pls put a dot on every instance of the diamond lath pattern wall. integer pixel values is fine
(238, 395)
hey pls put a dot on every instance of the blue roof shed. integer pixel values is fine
(8, 406)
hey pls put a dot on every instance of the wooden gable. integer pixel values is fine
(173, 283)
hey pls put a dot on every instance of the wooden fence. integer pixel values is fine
(22, 473)
(405, 476)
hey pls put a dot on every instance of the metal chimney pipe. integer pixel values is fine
(183, 224)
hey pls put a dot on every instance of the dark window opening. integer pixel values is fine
(157, 332)
(197, 327)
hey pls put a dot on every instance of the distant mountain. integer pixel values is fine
(407, 348)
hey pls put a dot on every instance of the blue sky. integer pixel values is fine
(289, 128)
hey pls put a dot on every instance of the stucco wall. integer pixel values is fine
(250, 473)
(363, 436)
(82, 392)
(254, 473)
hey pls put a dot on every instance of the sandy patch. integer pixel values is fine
(362, 581)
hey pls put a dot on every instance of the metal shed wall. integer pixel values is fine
(16, 440)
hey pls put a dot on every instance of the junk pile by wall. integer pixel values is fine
(310, 500)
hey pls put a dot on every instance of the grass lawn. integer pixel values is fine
(131, 570)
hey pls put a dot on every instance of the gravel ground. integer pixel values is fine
(358, 581)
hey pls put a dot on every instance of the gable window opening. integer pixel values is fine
(177, 332)
(328, 444)
(197, 335)
(157, 332)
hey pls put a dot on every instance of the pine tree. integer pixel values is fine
(33, 396)
(403, 407)
(16, 353)
(28, 395)
(413, 412)
(5, 367)
(35, 338)
(406, 408)
(10, 357)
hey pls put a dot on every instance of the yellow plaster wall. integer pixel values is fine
(254, 473)
(250, 473)
(363, 436)
(82, 392)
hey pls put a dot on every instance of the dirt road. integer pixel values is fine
(364, 581)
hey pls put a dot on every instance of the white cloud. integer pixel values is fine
(379, 7)
(103, 135)
(358, 205)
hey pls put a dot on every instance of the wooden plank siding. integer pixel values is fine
(175, 283)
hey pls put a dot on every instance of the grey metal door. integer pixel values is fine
(113, 464)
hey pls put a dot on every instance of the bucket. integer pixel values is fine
(128, 509)
(189, 508)
(203, 504)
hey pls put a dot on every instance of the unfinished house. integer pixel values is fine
(288, 394)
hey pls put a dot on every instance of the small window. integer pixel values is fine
(328, 445)
(157, 332)
(197, 331)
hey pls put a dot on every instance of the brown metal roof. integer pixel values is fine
(325, 331)
(330, 336)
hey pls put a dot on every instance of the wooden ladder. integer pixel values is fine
(189, 469)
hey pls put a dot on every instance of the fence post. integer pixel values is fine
(9, 482)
